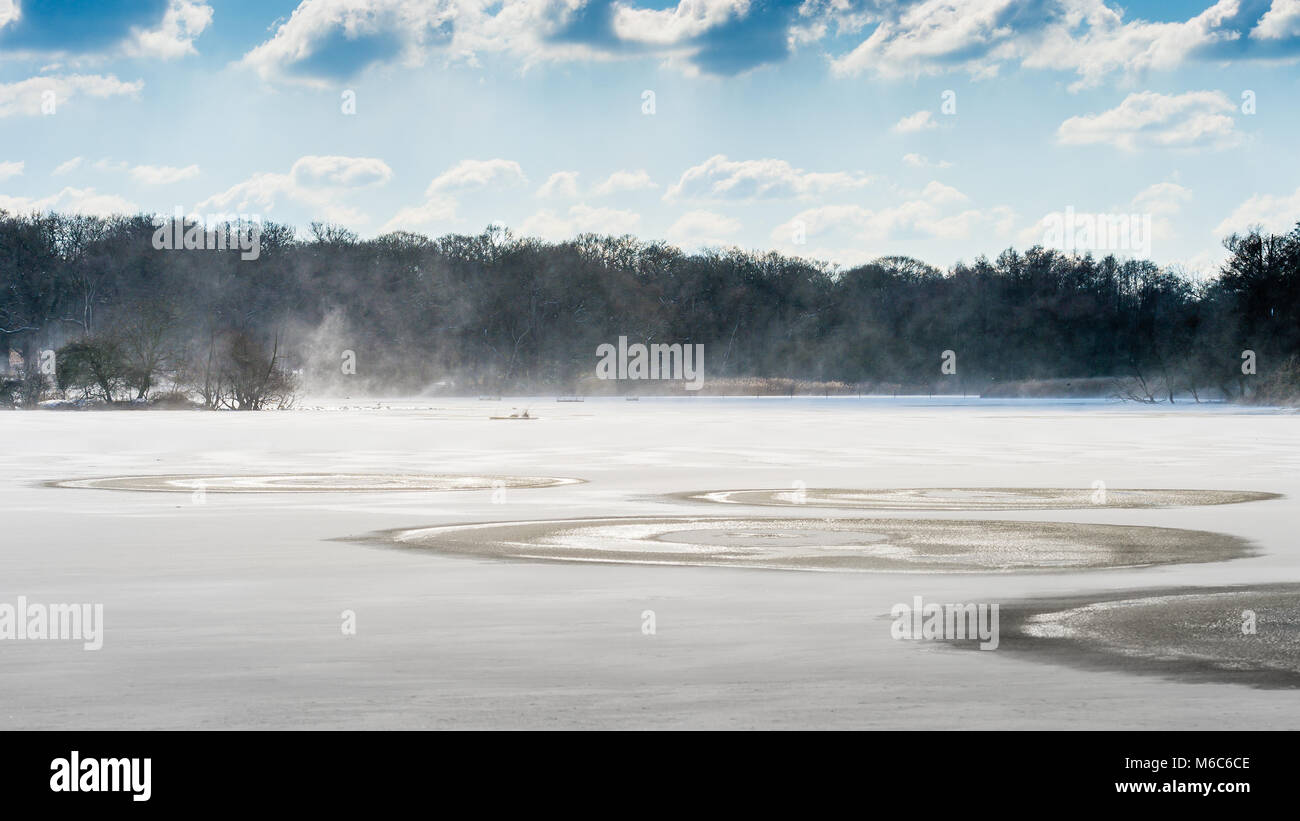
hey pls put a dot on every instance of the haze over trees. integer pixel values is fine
(497, 313)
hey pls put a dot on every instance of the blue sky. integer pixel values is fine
(818, 128)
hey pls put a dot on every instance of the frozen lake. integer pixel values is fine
(223, 609)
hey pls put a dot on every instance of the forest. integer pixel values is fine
(91, 311)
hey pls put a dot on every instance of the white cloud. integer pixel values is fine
(921, 161)
(1202, 265)
(411, 32)
(580, 219)
(924, 214)
(440, 207)
(427, 218)
(927, 35)
(1275, 213)
(407, 29)
(162, 174)
(314, 182)
(937, 193)
(677, 24)
(174, 37)
(68, 167)
(1087, 37)
(920, 121)
(1162, 199)
(718, 178)
(71, 201)
(350, 172)
(1153, 208)
(477, 174)
(1090, 38)
(11, 169)
(696, 229)
(624, 181)
(261, 190)
(1281, 21)
(26, 97)
(1146, 119)
(560, 185)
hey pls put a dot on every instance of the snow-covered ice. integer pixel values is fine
(224, 610)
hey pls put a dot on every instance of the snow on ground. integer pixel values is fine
(224, 611)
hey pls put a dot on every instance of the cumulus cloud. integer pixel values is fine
(427, 217)
(696, 229)
(580, 219)
(329, 40)
(1194, 120)
(560, 185)
(351, 172)
(921, 38)
(70, 201)
(920, 121)
(468, 174)
(439, 206)
(1162, 199)
(564, 184)
(11, 169)
(175, 34)
(921, 161)
(1149, 215)
(675, 24)
(719, 178)
(317, 183)
(162, 174)
(1280, 22)
(936, 193)
(161, 29)
(26, 97)
(68, 167)
(624, 181)
(1090, 38)
(324, 41)
(1276, 213)
(932, 213)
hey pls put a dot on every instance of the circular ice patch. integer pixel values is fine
(967, 498)
(907, 545)
(312, 482)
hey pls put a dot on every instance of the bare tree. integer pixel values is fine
(92, 365)
(253, 378)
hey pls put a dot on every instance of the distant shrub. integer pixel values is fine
(1279, 386)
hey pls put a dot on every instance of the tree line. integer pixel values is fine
(497, 313)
